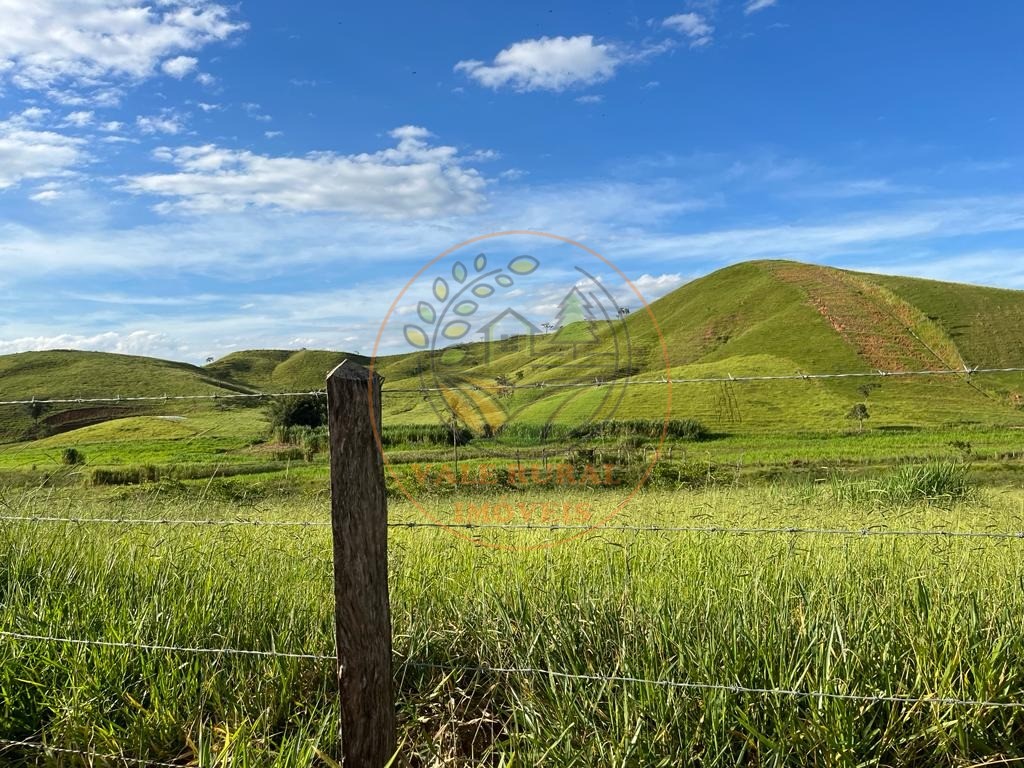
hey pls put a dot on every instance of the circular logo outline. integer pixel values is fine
(457, 529)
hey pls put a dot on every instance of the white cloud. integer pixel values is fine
(79, 119)
(590, 98)
(179, 66)
(34, 114)
(47, 193)
(547, 63)
(86, 43)
(255, 112)
(273, 134)
(693, 25)
(753, 6)
(206, 79)
(412, 179)
(130, 343)
(27, 153)
(167, 122)
(208, 107)
(111, 126)
(651, 287)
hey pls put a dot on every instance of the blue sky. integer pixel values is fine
(184, 178)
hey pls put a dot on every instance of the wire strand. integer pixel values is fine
(740, 689)
(598, 382)
(11, 743)
(163, 398)
(541, 527)
(165, 648)
(538, 672)
(729, 379)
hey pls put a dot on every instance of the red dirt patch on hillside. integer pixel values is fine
(877, 331)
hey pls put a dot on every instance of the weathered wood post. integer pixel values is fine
(362, 610)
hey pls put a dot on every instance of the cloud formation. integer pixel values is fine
(26, 152)
(547, 63)
(753, 6)
(179, 66)
(412, 179)
(53, 44)
(693, 25)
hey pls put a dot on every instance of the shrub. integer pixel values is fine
(72, 457)
(298, 411)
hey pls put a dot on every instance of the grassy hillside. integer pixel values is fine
(756, 318)
(63, 374)
(777, 318)
(276, 370)
(984, 323)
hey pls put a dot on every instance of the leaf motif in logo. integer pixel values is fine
(456, 329)
(459, 272)
(523, 265)
(426, 313)
(480, 262)
(483, 291)
(504, 281)
(466, 308)
(415, 336)
(440, 289)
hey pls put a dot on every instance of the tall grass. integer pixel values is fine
(942, 482)
(816, 613)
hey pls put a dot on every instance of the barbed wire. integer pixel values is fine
(538, 672)
(740, 689)
(539, 527)
(597, 382)
(163, 398)
(11, 743)
(727, 379)
(165, 648)
(163, 521)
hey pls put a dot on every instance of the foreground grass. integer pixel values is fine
(920, 617)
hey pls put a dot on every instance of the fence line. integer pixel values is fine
(537, 385)
(728, 379)
(540, 527)
(10, 743)
(161, 398)
(168, 648)
(740, 689)
(539, 672)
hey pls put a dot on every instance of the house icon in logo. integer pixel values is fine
(511, 331)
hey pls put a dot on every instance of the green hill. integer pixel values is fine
(277, 370)
(755, 318)
(775, 318)
(66, 374)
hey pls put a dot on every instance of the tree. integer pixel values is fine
(860, 414)
(865, 390)
(36, 410)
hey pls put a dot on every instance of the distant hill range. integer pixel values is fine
(755, 318)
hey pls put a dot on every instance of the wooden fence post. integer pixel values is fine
(362, 610)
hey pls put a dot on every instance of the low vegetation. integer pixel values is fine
(847, 615)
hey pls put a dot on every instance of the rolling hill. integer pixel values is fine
(755, 318)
